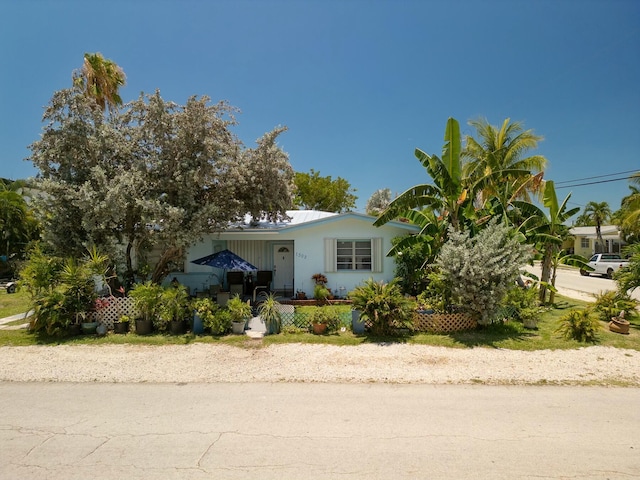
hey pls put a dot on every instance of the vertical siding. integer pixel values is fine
(253, 251)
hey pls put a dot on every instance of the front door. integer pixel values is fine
(283, 269)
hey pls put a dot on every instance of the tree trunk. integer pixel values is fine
(129, 276)
(162, 267)
(552, 294)
(546, 272)
(600, 239)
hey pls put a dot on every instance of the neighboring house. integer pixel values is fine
(586, 242)
(345, 247)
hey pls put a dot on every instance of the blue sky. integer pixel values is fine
(360, 84)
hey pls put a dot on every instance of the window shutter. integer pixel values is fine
(376, 255)
(329, 254)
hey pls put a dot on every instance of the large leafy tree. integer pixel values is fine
(314, 192)
(499, 155)
(101, 79)
(599, 213)
(154, 176)
(378, 202)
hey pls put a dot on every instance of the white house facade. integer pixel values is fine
(345, 247)
(585, 240)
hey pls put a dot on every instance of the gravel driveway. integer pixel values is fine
(386, 363)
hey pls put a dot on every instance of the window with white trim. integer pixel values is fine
(359, 255)
(584, 242)
(353, 255)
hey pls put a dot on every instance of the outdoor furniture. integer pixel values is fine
(222, 298)
(263, 282)
(235, 280)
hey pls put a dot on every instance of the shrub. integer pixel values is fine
(480, 269)
(610, 303)
(436, 295)
(214, 318)
(327, 315)
(579, 325)
(384, 305)
(523, 302)
(320, 292)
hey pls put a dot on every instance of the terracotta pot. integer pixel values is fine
(619, 325)
(319, 328)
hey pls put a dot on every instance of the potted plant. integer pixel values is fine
(324, 319)
(211, 316)
(240, 312)
(301, 295)
(122, 325)
(270, 314)
(174, 308)
(146, 299)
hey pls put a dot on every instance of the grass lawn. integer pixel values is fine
(511, 335)
(12, 304)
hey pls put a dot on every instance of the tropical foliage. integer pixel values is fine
(100, 79)
(384, 305)
(579, 325)
(18, 225)
(497, 156)
(599, 213)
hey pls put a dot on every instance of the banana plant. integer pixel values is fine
(546, 230)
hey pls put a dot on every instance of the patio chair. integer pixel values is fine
(263, 282)
(235, 280)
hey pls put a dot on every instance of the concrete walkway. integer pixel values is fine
(13, 318)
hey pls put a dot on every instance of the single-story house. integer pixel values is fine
(585, 240)
(345, 247)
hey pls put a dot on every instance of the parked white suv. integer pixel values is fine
(605, 264)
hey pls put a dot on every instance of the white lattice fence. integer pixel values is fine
(117, 307)
(442, 322)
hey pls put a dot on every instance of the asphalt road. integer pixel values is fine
(569, 281)
(311, 431)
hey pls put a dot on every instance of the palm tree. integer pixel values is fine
(17, 223)
(101, 79)
(502, 150)
(599, 214)
(378, 202)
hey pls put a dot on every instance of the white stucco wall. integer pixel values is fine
(308, 244)
(309, 253)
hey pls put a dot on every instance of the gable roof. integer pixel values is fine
(591, 231)
(303, 218)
